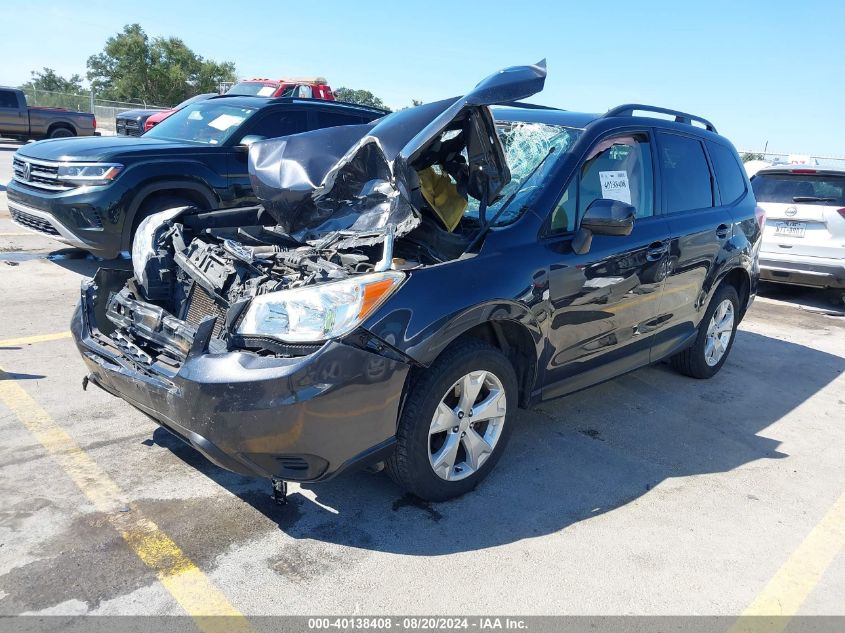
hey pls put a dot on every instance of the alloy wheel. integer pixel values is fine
(719, 333)
(467, 425)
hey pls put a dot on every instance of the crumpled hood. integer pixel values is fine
(363, 178)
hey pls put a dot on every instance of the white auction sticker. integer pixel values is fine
(225, 121)
(266, 91)
(614, 186)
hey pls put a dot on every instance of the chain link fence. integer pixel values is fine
(781, 158)
(103, 109)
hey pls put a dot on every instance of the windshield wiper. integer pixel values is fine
(812, 199)
(486, 225)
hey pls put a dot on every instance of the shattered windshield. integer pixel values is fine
(526, 145)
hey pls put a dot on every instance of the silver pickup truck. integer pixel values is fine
(18, 120)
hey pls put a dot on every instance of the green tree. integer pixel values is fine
(48, 79)
(362, 97)
(160, 71)
(749, 156)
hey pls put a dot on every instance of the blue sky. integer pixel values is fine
(761, 71)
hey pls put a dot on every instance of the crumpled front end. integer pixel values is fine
(297, 417)
(366, 177)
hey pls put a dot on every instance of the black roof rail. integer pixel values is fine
(680, 117)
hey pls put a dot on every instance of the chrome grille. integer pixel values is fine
(200, 305)
(33, 222)
(42, 174)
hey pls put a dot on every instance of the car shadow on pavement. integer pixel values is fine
(825, 300)
(83, 263)
(568, 460)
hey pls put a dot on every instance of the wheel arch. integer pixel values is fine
(739, 278)
(508, 327)
(60, 125)
(199, 194)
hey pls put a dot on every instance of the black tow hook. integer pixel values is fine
(280, 491)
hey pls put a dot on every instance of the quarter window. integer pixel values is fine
(617, 168)
(729, 174)
(686, 176)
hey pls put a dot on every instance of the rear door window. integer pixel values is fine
(799, 188)
(687, 182)
(325, 118)
(281, 122)
(729, 174)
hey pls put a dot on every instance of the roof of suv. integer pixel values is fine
(253, 101)
(532, 113)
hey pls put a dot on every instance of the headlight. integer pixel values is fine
(144, 244)
(316, 313)
(89, 173)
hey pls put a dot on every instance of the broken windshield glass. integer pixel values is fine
(525, 145)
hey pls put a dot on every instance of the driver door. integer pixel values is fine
(604, 302)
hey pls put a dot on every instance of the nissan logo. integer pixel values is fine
(27, 171)
(790, 212)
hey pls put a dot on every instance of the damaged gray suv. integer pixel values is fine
(405, 285)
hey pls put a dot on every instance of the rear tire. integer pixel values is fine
(716, 335)
(443, 450)
(61, 132)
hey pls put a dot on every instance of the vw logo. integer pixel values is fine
(27, 171)
(790, 212)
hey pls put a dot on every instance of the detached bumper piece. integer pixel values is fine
(304, 418)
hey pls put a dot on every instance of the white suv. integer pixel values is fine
(804, 236)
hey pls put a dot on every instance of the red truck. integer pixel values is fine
(302, 87)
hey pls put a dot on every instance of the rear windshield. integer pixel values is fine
(801, 188)
(254, 88)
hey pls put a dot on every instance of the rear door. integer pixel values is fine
(700, 228)
(604, 303)
(805, 212)
(14, 120)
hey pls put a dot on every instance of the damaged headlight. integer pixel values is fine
(316, 313)
(144, 244)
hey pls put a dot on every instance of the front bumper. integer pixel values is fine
(819, 272)
(58, 215)
(303, 419)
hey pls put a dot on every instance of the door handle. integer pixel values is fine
(656, 250)
(722, 231)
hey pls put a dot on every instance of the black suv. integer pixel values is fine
(423, 277)
(92, 193)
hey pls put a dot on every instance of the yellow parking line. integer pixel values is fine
(21, 234)
(772, 609)
(180, 576)
(39, 338)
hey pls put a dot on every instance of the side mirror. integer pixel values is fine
(248, 140)
(604, 217)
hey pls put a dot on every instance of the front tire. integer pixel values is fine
(716, 334)
(455, 422)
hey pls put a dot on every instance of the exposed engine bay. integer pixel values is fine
(345, 212)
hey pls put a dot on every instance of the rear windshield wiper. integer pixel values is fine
(812, 199)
